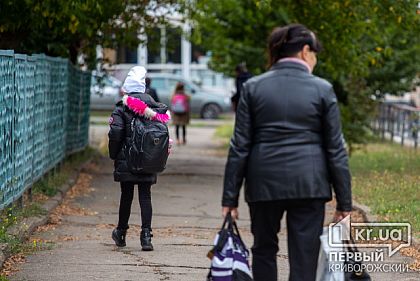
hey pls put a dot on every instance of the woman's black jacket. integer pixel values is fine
(119, 134)
(287, 142)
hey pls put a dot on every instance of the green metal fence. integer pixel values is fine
(44, 116)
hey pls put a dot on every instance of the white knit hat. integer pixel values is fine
(135, 81)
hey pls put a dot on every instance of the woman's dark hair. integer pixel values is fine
(288, 40)
(179, 87)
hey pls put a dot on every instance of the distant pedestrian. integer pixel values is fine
(181, 112)
(134, 103)
(151, 91)
(242, 75)
(288, 146)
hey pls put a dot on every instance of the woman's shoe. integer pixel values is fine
(146, 239)
(119, 237)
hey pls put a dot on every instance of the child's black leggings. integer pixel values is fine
(145, 200)
(184, 131)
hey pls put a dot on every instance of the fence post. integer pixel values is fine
(6, 122)
(383, 119)
(391, 120)
(398, 119)
(388, 115)
(374, 121)
(403, 129)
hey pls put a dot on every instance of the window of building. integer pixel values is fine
(173, 45)
(126, 55)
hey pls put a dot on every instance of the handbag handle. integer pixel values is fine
(228, 220)
(231, 226)
(350, 244)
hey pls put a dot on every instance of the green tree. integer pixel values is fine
(71, 27)
(369, 47)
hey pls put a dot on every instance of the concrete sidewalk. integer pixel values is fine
(186, 203)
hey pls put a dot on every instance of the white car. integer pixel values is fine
(208, 105)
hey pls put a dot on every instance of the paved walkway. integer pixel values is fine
(186, 204)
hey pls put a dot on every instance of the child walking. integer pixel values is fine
(180, 107)
(134, 103)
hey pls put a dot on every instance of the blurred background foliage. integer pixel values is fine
(68, 28)
(369, 47)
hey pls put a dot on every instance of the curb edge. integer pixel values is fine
(369, 217)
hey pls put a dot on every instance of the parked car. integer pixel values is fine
(208, 105)
(104, 91)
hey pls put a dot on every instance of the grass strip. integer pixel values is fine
(386, 177)
(224, 133)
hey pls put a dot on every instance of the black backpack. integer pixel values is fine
(147, 149)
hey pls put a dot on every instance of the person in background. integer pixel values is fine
(135, 101)
(180, 107)
(151, 91)
(242, 75)
(289, 148)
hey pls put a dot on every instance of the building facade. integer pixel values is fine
(167, 49)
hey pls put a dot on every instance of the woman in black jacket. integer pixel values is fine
(288, 146)
(136, 101)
